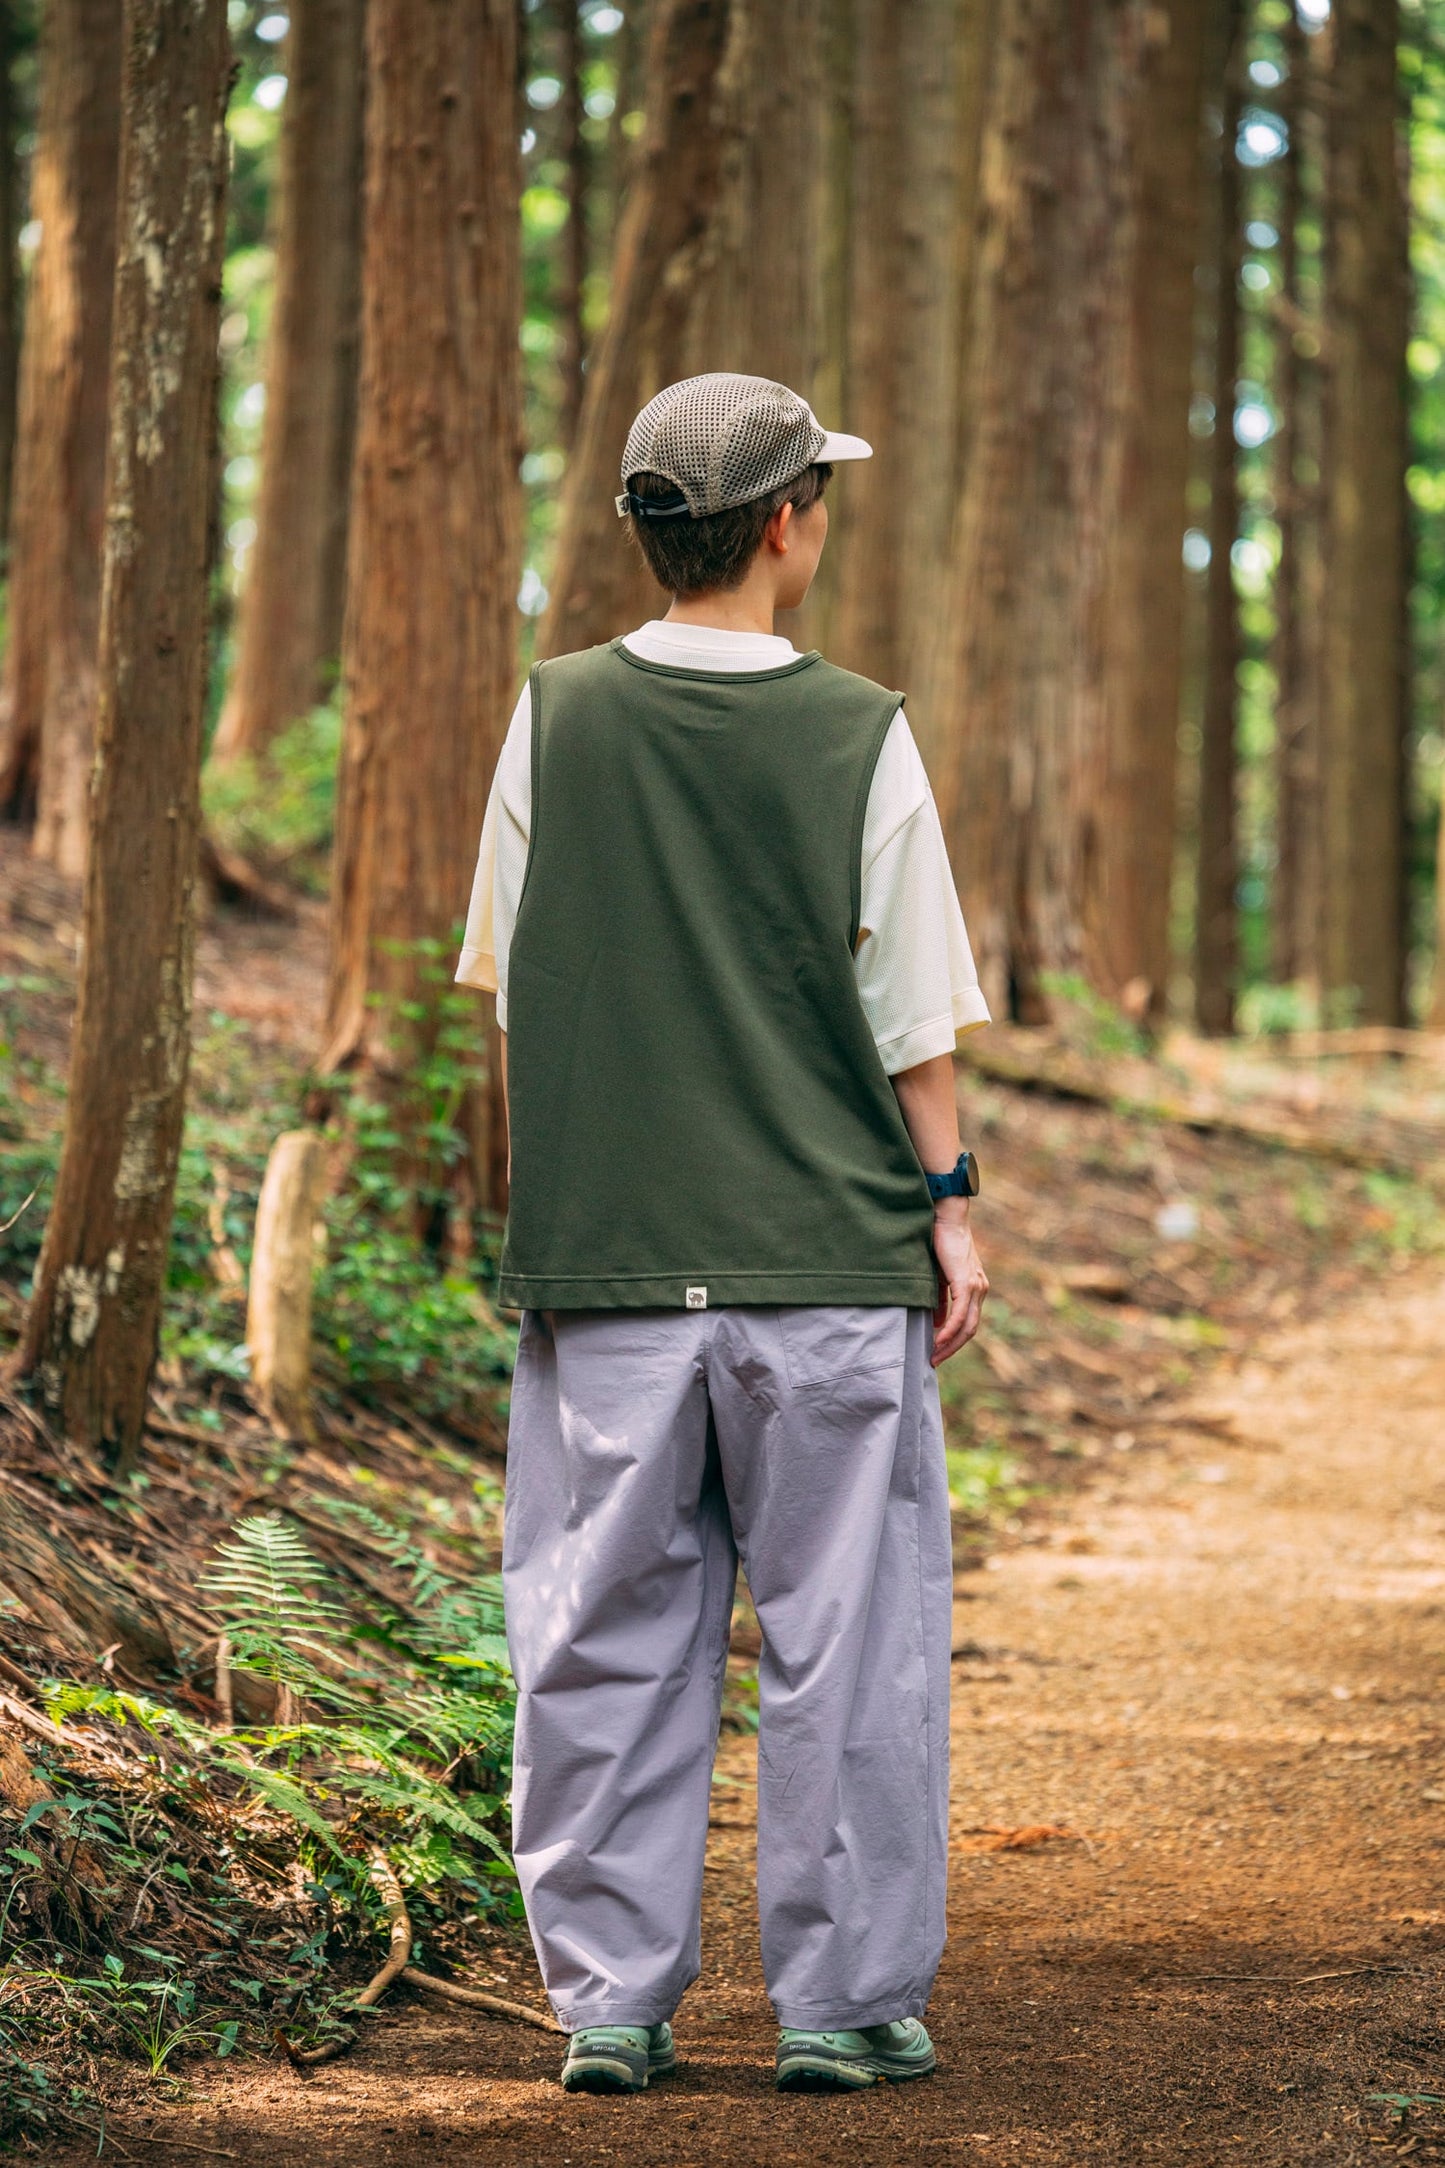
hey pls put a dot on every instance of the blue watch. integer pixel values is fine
(960, 1181)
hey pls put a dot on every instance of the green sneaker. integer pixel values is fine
(826, 2062)
(617, 2058)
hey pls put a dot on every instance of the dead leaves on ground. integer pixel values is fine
(1028, 1837)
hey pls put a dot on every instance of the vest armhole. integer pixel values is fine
(534, 696)
(860, 815)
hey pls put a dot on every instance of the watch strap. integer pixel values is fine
(961, 1179)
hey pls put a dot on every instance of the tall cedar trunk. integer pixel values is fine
(1216, 953)
(1291, 719)
(894, 513)
(757, 304)
(1363, 664)
(91, 1330)
(9, 281)
(1128, 903)
(1023, 652)
(290, 613)
(48, 692)
(599, 584)
(572, 253)
(430, 639)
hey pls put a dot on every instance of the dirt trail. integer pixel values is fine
(1223, 1674)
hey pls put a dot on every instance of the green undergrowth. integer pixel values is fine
(279, 809)
(397, 1318)
(176, 1889)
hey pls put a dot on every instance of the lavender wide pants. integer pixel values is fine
(650, 1450)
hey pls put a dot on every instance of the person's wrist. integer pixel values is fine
(951, 1211)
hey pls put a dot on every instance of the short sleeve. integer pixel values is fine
(501, 864)
(914, 965)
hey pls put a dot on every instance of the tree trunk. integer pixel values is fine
(429, 651)
(48, 693)
(9, 279)
(1129, 899)
(290, 612)
(90, 1335)
(757, 295)
(1364, 669)
(1020, 784)
(571, 284)
(600, 586)
(1291, 721)
(893, 515)
(1216, 954)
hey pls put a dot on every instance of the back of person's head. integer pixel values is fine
(709, 462)
(706, 555)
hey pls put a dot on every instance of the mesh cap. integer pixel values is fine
(722, 440)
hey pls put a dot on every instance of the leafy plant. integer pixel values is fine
(279, 809)
(421, 1759)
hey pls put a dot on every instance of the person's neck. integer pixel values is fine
(734, 609)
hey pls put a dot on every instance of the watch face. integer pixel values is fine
(968, 1168)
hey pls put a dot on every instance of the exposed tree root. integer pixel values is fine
(476, 1998)
(397, 1967)
(398, 1951)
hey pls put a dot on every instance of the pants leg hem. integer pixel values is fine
(573, 2020)
(849, 2017)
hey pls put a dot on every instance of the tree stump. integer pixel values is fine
(278, 1311)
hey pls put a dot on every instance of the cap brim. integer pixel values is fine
(836, 445)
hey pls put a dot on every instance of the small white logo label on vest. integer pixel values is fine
(697, 1298)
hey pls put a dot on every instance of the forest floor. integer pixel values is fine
(1198, 1892)
(1216, 1680)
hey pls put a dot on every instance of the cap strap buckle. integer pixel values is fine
(649, 508)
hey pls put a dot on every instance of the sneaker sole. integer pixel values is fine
(601, 2076)
(816, 2074)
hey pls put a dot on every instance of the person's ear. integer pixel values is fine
(776, 531)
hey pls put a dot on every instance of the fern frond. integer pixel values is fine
(287, 1797)
(268, 1585)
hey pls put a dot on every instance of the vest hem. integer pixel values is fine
(723, 1290)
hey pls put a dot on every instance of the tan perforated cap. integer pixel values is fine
(722, 440)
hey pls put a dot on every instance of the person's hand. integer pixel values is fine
(964, 1281)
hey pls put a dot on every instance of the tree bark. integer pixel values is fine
(1364, 668)
(290, 611)
(894, 513)
(1216, 954)
(9, 270)
(429, 650)
(757, 296)
(1023, 652)
(600, 586)
(1291, 716)
(90, 1334)
(48, 692)
(571, 284)
(1128, 904)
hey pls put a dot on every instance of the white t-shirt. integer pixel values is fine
(916, 977)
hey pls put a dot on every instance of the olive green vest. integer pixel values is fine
(698, 1112)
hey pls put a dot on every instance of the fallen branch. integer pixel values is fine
(188, 2145)
(477, 1998)
(1286, 1979)
(19, 1679)
(383, 1880)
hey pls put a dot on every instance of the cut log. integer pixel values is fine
(278, 1313)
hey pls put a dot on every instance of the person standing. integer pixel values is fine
(714, 902)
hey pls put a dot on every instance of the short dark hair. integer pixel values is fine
(699, 556)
